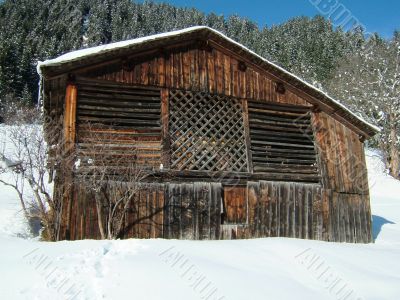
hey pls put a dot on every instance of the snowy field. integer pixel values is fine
(273, 268)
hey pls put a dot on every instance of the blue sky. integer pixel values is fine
(376, 16)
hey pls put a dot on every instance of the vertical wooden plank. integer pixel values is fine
(305, 212)
(69, 126)
(165, 155)
(215, 217)
(242, 84)
(247, 135)
(172, 70)
(162, 70)
(186, 70)
(327, 218)
(227, 75)
(265, 211)
(211, 71)
(203, 200)
(160, 209)
(299, 210)
(144, 76)
(252, 205)
(70, 114)
(219, 72)
(285, 207)
(363, 222)
(179, 73)
(291, 211)
(273, 195)
(256, 80)
(319, 134)
(166, 211)
(202, 70)
(310, 198)
(235, 78)
(351, 219)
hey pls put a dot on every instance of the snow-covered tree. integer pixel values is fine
(369, 81)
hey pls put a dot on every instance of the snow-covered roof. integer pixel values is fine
(78, 55)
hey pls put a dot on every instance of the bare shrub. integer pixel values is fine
(111, 170)
(25, 158)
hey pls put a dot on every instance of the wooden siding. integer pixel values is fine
(144, 219)
(260, 209)
(192, 210)
(335, 207)
(198, 70)
(341, 156)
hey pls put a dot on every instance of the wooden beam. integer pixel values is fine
(70, 114)
(165, 155)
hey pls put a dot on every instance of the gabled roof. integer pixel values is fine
(80, 58)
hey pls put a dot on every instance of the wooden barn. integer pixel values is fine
(233, 145)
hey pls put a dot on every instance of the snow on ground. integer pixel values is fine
(272, 268)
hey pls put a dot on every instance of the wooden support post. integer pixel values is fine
(70, 114)
(247, 135)
(69, 142)
(165, 155)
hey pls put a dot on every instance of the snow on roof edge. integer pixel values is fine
(76, 55)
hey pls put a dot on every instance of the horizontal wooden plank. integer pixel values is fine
(270, 149)
(115, 103)
(136, 122)
(114, 147)
(299, 135)
(286, 177)
(283, 114)
(282, 154)
(117, 97)
(288, 145)
(262, 125)
(119, 109)
(124, 91)
(293, 121)
(281, 138)
(298, 127)
(282, 160)
(80, 80)
(119, 114)
(297, 167)
(278, 106)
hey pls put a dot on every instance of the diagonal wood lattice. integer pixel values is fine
(207, 132)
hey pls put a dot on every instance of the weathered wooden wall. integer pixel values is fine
(198, 70)
(206, 210)
(143, 220)
(321, 192)
(341, 156)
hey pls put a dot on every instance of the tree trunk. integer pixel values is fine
(99, 209)
(394, 150)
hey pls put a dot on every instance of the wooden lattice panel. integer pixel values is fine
(207, 132)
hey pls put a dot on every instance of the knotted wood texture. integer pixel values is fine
(207, 132)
